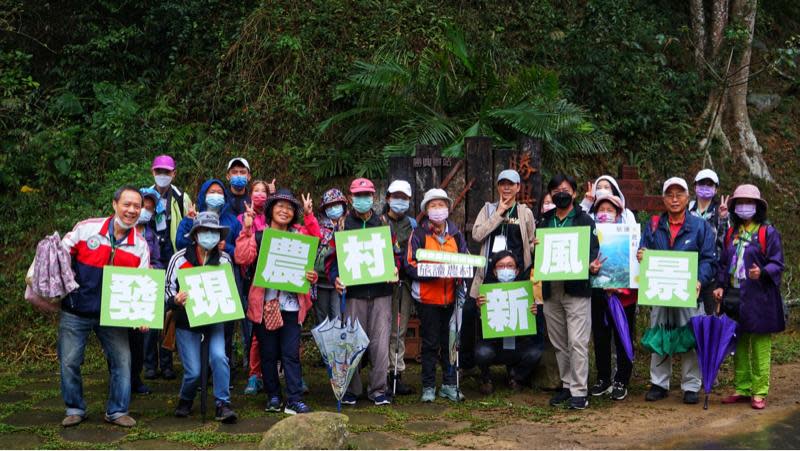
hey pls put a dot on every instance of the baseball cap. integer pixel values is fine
(399, 186)
(707, 174)
(675, 181)
(240, 160)
(508, 174)
(163, 162)
(361, 185)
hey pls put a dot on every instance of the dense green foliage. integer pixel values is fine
(91, 91)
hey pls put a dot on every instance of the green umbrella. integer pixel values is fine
(665, 341)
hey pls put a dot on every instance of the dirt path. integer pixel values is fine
(635, 423)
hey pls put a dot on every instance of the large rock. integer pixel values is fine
(316, 430)
(763, 103)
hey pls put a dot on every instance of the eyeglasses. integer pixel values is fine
(508, 266)
(675, 196)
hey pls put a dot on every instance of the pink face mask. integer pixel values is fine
(438, 215)
(259, 199)
(548, 206)
(605, 218)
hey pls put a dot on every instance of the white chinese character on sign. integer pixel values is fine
(209, 292)
(561, 254)
(368, 253)
(286, 261)
(668, 277)
(132, 298)
(507, 309)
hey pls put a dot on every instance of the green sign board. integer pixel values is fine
(562, 254)
(213, 297)
(507, 311)
(132, 297)
(427, 255)
(668, 279)
(365, 256)
(284, 259)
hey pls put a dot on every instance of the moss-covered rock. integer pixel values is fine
(316, 430)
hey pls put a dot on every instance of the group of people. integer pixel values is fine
(740, 262)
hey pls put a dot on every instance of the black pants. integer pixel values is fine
(434, 324)
(282, 344)
(136, 341)
(469, 334)
(603, 329)
(156, 356)
(707, 298)
(520, 361)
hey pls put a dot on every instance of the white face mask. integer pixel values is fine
(121, 224)
(603, 192)
(163, 181)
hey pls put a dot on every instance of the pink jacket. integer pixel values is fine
(246, 254)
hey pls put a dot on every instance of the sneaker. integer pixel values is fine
(428, 394)
(560, 397)
(600, 388)
(486, 388)
(655, 393)
(142, 390)
(690, 397)
(732, 399)
(274, 404)
(72, 420)
(451, 392)
(296, 407)
(381, 400)
(225, 414)
(578, 402)
(168, 374)
(619, 391)
(349, 399)
(125, 421)
(184, 408)
(254, 385)
(150, 374)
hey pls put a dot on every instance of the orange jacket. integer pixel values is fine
(432, 290)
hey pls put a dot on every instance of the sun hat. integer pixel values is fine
(362, 185)
(208, 220)
(746, 191)
(433, 194)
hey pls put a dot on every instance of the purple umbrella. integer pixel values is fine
(617, 313)
(716, 338)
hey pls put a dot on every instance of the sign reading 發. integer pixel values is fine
(132, 297)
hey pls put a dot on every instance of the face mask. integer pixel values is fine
(562, 200)
(163, 181)
(362, 204)
(259, 199)
(438, 215)
(215, 201)
(603, 192)
(121, 224)
(605, 218)
(506, 275)
(399, 206)
(704, 191)
(239, 181)
(547, 207)
(745, 211)
(145, 216)
(208, 239)
(334, 212)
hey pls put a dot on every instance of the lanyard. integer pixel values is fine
(504, 228)
(560, 224)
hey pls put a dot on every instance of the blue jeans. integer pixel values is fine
(283, 344)
(188, 343)
(73, 331)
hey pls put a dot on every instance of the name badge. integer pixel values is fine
(499, 243)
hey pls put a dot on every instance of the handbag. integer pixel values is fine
(731, 302)
(272, 314)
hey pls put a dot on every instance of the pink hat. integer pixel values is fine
(163, 162)
(746, 192)
(615, 201)
(362, 185)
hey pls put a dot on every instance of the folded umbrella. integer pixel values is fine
(617, 314)
(716, 338)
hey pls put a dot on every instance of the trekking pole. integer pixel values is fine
(397, 345)
(458, 348)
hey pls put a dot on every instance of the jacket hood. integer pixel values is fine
(201, 196)
(613, 183)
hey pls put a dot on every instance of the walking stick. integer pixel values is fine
(397, 344)
(203, 376)
(342, 306)
(458, 350)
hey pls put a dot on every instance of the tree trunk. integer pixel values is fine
(698, 31)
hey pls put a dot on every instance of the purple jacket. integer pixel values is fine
(761, 308)
(155, 250)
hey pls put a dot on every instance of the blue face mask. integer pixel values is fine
(145, 216)
(506, 275)
(362, 204)
(399, 206)
(208, 239)
(215, 201)
(239, 181)
(334, 212)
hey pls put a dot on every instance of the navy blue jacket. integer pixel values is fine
(696, 235)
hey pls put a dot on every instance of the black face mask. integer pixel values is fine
(562, 200)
